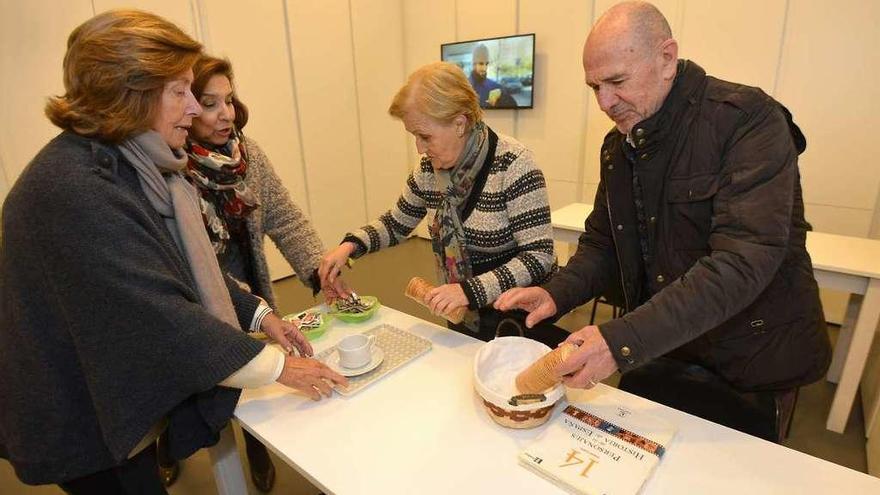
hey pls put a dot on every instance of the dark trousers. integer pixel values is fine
(494, 323)
(137, 475)
(257, 453)
(696, 390)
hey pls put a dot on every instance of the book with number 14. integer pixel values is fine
(599, 448)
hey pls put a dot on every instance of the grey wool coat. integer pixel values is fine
(279, 218)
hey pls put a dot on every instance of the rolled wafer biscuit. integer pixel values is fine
(541, 375)
(416, 290)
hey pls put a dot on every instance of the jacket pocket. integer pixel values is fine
(691, 189)
(690, 204)
(792, 354)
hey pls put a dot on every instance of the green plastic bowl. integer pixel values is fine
(311, 333)
(358, 317)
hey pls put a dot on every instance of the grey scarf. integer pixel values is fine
(448, 239)
(160, 170)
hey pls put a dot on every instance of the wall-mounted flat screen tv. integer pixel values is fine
(501, 70)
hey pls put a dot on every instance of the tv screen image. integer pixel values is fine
(501, 70)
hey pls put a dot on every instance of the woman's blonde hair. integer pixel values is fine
(439, 90)
(115, 69)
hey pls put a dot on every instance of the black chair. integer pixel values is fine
(616, 311)
(786, 401)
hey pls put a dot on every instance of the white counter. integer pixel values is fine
(422, 429)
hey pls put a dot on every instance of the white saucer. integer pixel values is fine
(377, 355)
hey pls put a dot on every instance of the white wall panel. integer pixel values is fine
(33, 39)
(838, 220)
(426, 25)
(731, 42)
(377, 32)
(180, 12)
(554, 128)
(255, 41)
(4, 187)
(489, 19)
(320, 35)
(562, 193)
(343, 71)
(828, 78)
(588, 193)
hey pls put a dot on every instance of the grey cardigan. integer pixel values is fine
(282, 220)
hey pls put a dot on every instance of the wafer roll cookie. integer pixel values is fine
(416, 290)
(541, 375)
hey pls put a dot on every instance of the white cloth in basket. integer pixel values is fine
(499, 361)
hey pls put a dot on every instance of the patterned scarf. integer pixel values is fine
(226, 200)
(447, 232)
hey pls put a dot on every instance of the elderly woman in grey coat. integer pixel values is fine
(116, 322)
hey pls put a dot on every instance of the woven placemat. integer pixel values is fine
(400, 347)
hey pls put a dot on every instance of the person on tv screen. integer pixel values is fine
(490, 93)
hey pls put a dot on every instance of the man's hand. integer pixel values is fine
(535, 300)
(286, 334)
(333, 261)
(591, 363)
(442, 300)
(309, 376)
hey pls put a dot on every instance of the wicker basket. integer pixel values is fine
(495, 368)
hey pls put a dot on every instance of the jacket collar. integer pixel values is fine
(648, 134)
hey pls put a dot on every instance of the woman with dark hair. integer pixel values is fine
(116, 322)
(242, 201)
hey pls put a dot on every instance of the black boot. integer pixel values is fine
(169, 469)
(262, 469)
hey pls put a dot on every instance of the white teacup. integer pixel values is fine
(355, 350)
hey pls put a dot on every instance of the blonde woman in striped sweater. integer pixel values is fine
(485, 200)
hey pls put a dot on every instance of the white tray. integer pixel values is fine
(400, 347)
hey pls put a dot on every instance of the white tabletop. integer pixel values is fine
(423, 429)
(831, 252)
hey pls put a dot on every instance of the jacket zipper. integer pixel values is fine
(616, 250)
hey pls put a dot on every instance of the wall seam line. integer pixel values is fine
(455, 6)
(357, 112)
(534, 57)
(582, 142)
(297, 119)
(404, 68)
(197, 12)
(781, 49)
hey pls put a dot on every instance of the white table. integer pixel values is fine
(422, 429)
(847, 264)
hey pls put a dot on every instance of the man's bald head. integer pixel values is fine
(638, 24)
(630, 62)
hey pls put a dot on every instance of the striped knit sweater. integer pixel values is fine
(508, 232)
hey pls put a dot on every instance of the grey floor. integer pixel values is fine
(385, 275)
